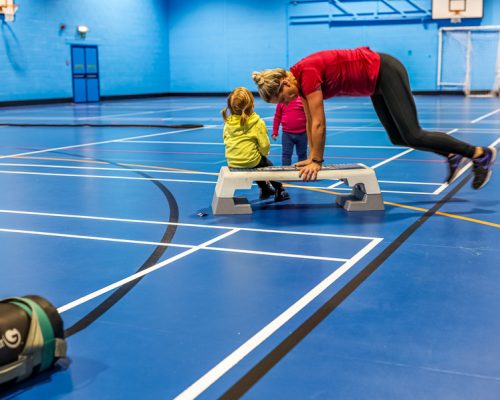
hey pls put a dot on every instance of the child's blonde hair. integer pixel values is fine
(269, 82)
(239, 102)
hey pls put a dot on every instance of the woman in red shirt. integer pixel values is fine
(363, 72)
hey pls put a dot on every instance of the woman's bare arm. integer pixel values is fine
(316, 132)
(317, 124)
(308, 121)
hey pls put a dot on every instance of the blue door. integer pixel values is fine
(85, 68)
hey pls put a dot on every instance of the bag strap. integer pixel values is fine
(48, 349)
(40, 348)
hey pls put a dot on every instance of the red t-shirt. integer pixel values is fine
(338, 72)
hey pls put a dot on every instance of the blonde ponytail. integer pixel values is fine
(244, 118)
(224, 113)
(239, 102)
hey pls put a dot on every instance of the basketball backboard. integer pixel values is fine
(8, 8)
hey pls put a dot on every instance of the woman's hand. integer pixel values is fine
(303, 163)
(309, 172)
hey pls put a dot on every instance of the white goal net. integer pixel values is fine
(469, 60)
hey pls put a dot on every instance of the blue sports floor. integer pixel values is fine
(300, 300)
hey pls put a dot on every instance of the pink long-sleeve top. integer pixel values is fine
(291, 117)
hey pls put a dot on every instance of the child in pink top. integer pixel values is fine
(292, 118)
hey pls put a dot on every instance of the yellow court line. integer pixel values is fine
(311, 189)
(477, 221)
(389, 203)
(168, 169)
(107, 163)
(424, 210)
(151, 166)
(61, 159)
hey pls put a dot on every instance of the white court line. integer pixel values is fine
(152, 222)
(390, 159)
(275, 254)
(426, 121)
(462, 170)
(479, 130)
(97, 238)
(111, 116)
(125, 107)
(411, 183)
(332, 108)
(123, 169)
(336, 108)
(485, 116)
(97, 143)
(382, 191)
(142, 273)
(404, 192)
(374, 129)
(131, 178)
(183, 246)
(241, 352)
(272, 144)
(347, 129)
(24, 118)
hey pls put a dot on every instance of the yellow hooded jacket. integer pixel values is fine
(245, 145)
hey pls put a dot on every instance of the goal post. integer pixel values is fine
(469, 59)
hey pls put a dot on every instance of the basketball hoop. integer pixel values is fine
(456, 18)
(456, 8)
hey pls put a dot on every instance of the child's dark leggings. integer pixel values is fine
(265, 162)
(288, 141)
(395, 107)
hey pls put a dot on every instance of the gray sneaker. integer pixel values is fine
(453, 166)
(482, 167)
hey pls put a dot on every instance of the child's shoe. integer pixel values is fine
(281, 195)
(454, 161)
(482, 167)
(266, 192)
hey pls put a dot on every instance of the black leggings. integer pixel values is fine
(266, 162)
(395, 107)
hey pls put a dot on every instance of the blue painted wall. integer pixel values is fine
(189, 46)
(414, 43)
(214, 45)
(132, 38)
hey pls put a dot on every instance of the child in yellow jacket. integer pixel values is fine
(246, 140)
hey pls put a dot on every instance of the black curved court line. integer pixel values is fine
(84, 125)
(153, 259)
(246, 382)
